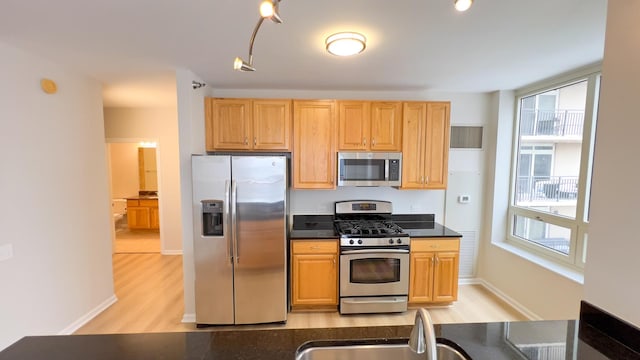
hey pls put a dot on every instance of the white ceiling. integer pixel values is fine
(134, 47)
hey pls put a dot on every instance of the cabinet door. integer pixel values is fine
(229, 124)
(314, 280)
(271, 125)
(314, 154)
(437, 145)
(353, 125)
(413, 124)
(386, 126)
(421, 270)
(445, 287)
(138, 217)
(154, 218)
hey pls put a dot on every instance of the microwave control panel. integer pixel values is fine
(394, 169)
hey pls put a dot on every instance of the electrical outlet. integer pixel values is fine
(6, 252)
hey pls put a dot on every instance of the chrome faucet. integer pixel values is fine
(423, 338)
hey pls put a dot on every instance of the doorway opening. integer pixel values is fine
(134, 197)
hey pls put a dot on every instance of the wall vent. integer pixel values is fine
(468, 246)
(466, 137)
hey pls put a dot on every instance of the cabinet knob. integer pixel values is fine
(255, 141)
(373, 142)
(246, 140)
(364, 141)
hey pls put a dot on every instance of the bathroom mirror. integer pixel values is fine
(147, 171)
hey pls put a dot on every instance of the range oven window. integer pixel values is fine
(362, 169)
(374, 270)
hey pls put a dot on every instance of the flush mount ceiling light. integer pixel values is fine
(268, 10)
(462, 5)
(346, 43)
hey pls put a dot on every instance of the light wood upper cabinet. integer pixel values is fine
(247, 124)
(386, 126)
(228, 124)
(353, 125)
(314, 273)
(366, 125)
(271, 124)
(425, 145)
(433, 274)
(314, 149)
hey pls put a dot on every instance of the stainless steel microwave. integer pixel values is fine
(369, 168)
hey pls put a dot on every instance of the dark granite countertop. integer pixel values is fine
(495, 341)
(321, 226)
(142, 197)
(312, 227)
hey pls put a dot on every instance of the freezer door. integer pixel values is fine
(260, 262)
(211, 176)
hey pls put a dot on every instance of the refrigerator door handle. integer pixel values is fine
(234, 220)
(226, 221)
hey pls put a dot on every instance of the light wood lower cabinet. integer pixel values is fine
(314, 274)
(433, 274)
(143, 214)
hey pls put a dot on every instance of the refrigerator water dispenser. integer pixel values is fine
(212, 218)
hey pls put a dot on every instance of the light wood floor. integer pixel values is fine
(150, 299)
(136, 241)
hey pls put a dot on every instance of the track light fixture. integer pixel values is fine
(268, 10)
(197, 85)
(462, 5)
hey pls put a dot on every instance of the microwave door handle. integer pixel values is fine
(386, 169)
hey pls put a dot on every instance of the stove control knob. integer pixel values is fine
(399, 241)
(350, 242)
(390, 241)
(359, 241)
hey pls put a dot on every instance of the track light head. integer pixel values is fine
(269, 10)
(241, 65)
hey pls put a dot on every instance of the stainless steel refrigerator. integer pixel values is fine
(239, 212)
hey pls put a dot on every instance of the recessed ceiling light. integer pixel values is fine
(346, 43)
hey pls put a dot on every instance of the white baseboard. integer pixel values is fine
(171, 252)
(189, 318)
(506, 298)
(88, 316)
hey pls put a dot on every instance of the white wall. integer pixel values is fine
(611, 276)
(161, 125)
(192, 141)
(55, 193)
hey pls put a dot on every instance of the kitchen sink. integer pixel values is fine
(375, 349)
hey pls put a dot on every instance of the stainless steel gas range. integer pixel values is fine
(374, 258)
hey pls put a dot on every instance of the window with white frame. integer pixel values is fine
(551, 172)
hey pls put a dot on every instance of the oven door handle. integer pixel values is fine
(375, 251)
(377, 301)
